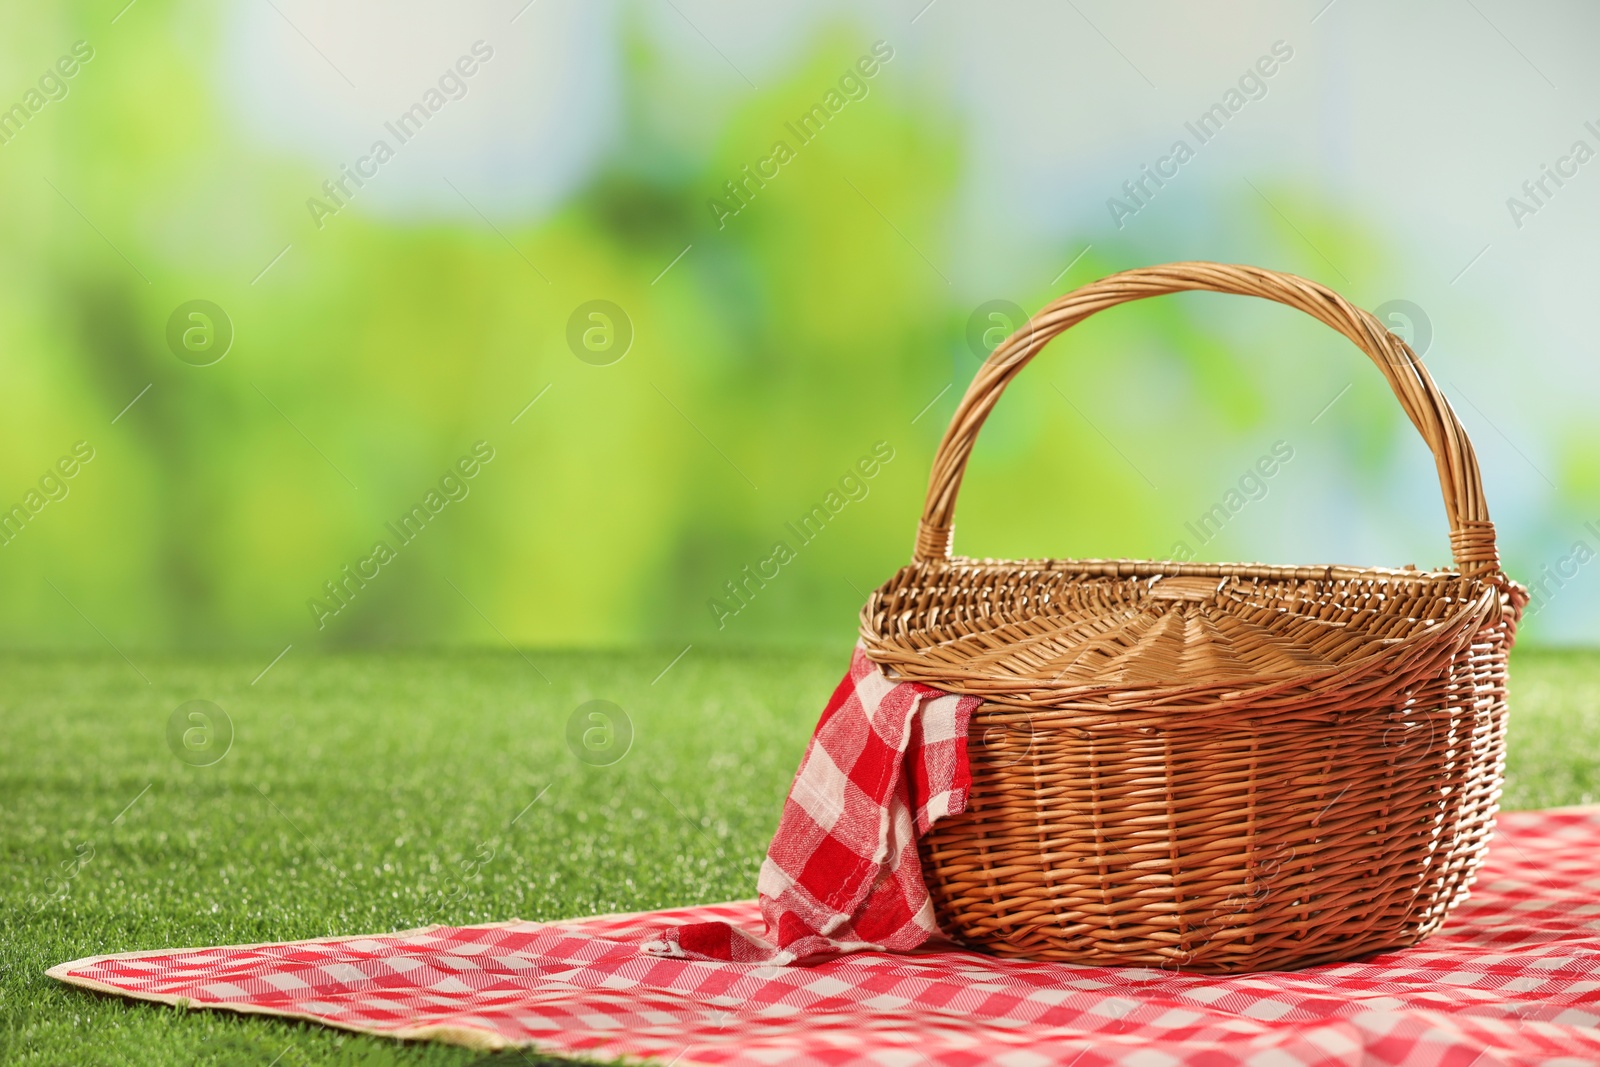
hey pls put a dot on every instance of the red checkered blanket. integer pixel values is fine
(1512, 980)
(886, 762)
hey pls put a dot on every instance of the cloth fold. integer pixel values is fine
(886, 761)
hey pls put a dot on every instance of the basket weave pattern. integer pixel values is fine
(1213, 767)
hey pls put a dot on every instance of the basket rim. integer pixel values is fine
(1097, 566)
(1469, 604)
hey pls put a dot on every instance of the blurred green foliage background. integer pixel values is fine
(769, 354)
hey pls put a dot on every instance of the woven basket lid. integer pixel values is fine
(1104, 632)
(1121, 633)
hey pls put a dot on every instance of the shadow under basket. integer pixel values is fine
(1217, 768)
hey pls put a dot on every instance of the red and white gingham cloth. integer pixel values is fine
(1512, 980)
(886, 761)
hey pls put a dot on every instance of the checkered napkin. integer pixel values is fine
(1513, 980)
(886, 762)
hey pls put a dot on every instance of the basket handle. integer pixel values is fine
(1472, 540)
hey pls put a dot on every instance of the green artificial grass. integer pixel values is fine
(373, 792)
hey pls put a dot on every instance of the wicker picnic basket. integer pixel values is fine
(1201, 766)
